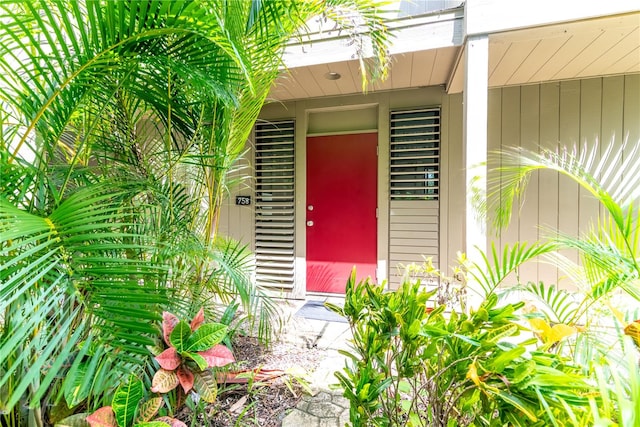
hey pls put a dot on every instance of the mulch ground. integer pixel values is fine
(259, 404)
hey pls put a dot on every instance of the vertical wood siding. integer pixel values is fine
(453, 202)
(568, 113)
(236, 221)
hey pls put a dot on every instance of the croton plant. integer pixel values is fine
(193, 348)
(129, 408)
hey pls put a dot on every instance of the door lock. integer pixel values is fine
(309, 223)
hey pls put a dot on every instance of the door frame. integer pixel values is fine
(377, 202)
(301, 116)
(451, 146)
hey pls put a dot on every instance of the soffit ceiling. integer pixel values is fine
(573, 50)
(414, 69)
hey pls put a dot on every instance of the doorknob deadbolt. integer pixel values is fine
(309, 223)
(310, 207)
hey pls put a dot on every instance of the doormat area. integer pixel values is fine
(317, 311)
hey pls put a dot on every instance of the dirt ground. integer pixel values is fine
(259, 403)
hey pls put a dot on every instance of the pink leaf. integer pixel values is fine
(186, 379)
(217, 355)
(169, 321)
(169, 359)
(164, 381)
(171, 421)
(197, 320)
(103, 417)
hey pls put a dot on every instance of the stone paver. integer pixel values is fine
(326, 407)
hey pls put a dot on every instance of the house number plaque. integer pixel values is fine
(243, 200)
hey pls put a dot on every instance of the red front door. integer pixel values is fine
(341, 209)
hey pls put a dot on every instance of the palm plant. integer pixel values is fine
(609, 250)
(607, 264)
(120, 123)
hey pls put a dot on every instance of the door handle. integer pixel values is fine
(309, 223)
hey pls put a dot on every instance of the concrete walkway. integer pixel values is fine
(325, 407)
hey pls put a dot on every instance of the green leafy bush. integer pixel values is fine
(193, 348)
(413, 366)
(121, 126)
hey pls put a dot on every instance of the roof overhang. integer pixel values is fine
(570, 50)
(423, 53)
(428, 50)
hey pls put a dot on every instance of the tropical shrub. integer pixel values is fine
(193, 348)
(411, 366)
(120, 122)
(585, 323)
(128, 408)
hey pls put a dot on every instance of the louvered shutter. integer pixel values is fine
(414, 188)
(274, 209)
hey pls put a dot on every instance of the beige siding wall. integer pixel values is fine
(413, 234)
(237, 221)
(569, 113)
(452, 182)
(572, 112)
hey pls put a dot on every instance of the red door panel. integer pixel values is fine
(341, 209)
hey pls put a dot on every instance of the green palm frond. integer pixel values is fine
(495, 268)
(75, 271)
(232, 276)
(609, 251)
(123, 48)
(613, 177)
(560, 306)
(609, 256)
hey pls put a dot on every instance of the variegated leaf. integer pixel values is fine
(76, 420)
(171, 421)
(179, 336)
(206, 337)
(200, 361)
(125, 401)
(633, 330)
(197, 320)
(185, 377)
(169, 321)
(217, 356)
(204, 383)
(148, 409)
(169, 359)
(163, 381)
(103, 417)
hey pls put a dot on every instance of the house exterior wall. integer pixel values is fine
(568, 112)
(353, 114)
(235, 221)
